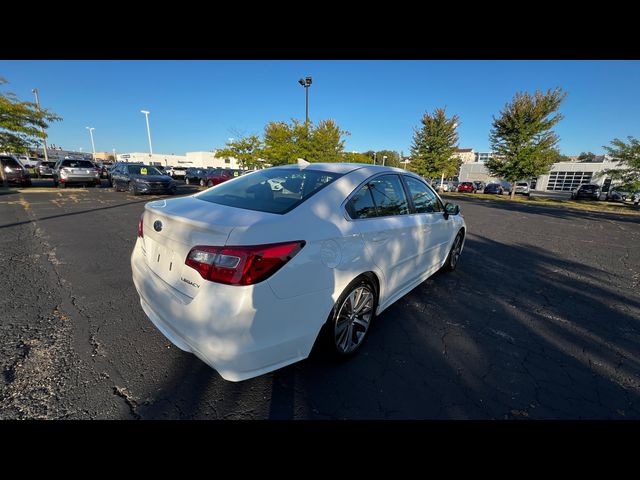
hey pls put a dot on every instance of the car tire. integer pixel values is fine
(209, 183)
(202, 184)
(132, 189)
(186, 180)
(453, 258)
(347, 329)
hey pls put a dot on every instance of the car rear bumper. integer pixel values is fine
(241, 332)
(79, 179)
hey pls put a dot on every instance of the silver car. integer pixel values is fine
(522, 188)
(68, 172)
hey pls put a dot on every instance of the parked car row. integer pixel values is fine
(209, 176)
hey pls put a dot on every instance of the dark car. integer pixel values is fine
(591, 192)
(14, 172)
(195, 175)
(116, 165)
(467, 187)
(479, 186)
(139, 179)
(494, 188)
(104, 169)
(45, 169)
(218, 175)
(617, 196)
(75, 172)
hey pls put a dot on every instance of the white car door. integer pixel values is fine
(436, 230)
(390, 233)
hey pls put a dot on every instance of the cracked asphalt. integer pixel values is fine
(541, 320)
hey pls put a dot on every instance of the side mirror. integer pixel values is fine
(451, 209)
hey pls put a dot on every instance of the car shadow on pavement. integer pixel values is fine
(552, 339)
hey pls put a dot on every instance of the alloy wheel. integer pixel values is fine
(353, 319)
(455, 251)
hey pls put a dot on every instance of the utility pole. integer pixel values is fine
(44, 141)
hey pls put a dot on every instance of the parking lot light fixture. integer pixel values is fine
(44, 139)
(146, 114)
(93, 145)
(306, 83)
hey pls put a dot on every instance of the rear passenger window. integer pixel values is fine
(388, 195)
(361, 204)
(424, 200)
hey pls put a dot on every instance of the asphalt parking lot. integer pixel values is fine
(541, 320)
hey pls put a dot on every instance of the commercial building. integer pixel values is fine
(466, 155)
(562, 176)
(190, 159)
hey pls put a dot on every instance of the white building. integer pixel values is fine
(466, 155)
(562, 176)
(190, 159)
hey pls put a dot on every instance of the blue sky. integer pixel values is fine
(198, 105)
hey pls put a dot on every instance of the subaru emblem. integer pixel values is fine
(157, 225)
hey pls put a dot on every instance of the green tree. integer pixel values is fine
(628, 154)
(587, 156)
(434, 144)
(286, 142)
(522, 137)
(247, 150)
(392, 160)
(22, 124)
(281, 145)
(355, 157)
(326, 143)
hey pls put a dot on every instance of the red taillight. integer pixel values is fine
(244, 265)
(141, 226)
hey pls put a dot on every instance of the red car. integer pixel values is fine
(468, 187)
(219, 175)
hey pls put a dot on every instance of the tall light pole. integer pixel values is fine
(44, 140)
(306, 83)
(146, 114)
(115, 158)
(93, 145)
(384, 157)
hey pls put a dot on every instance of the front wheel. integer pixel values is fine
(210, 183)
(454, 254)
(132, 189)
(186, 180)
(202, 184)
(352, 316)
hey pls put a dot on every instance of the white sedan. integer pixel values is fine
(247, 278)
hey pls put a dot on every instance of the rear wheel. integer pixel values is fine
(186, 180)
(352, 316)
(202, 184)
(454, 254)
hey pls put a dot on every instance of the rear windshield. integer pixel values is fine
(77, 164)
(9, 162)
(48, 164)
(274, 190)
(520, 184)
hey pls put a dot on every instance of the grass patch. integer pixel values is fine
(585, 205)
